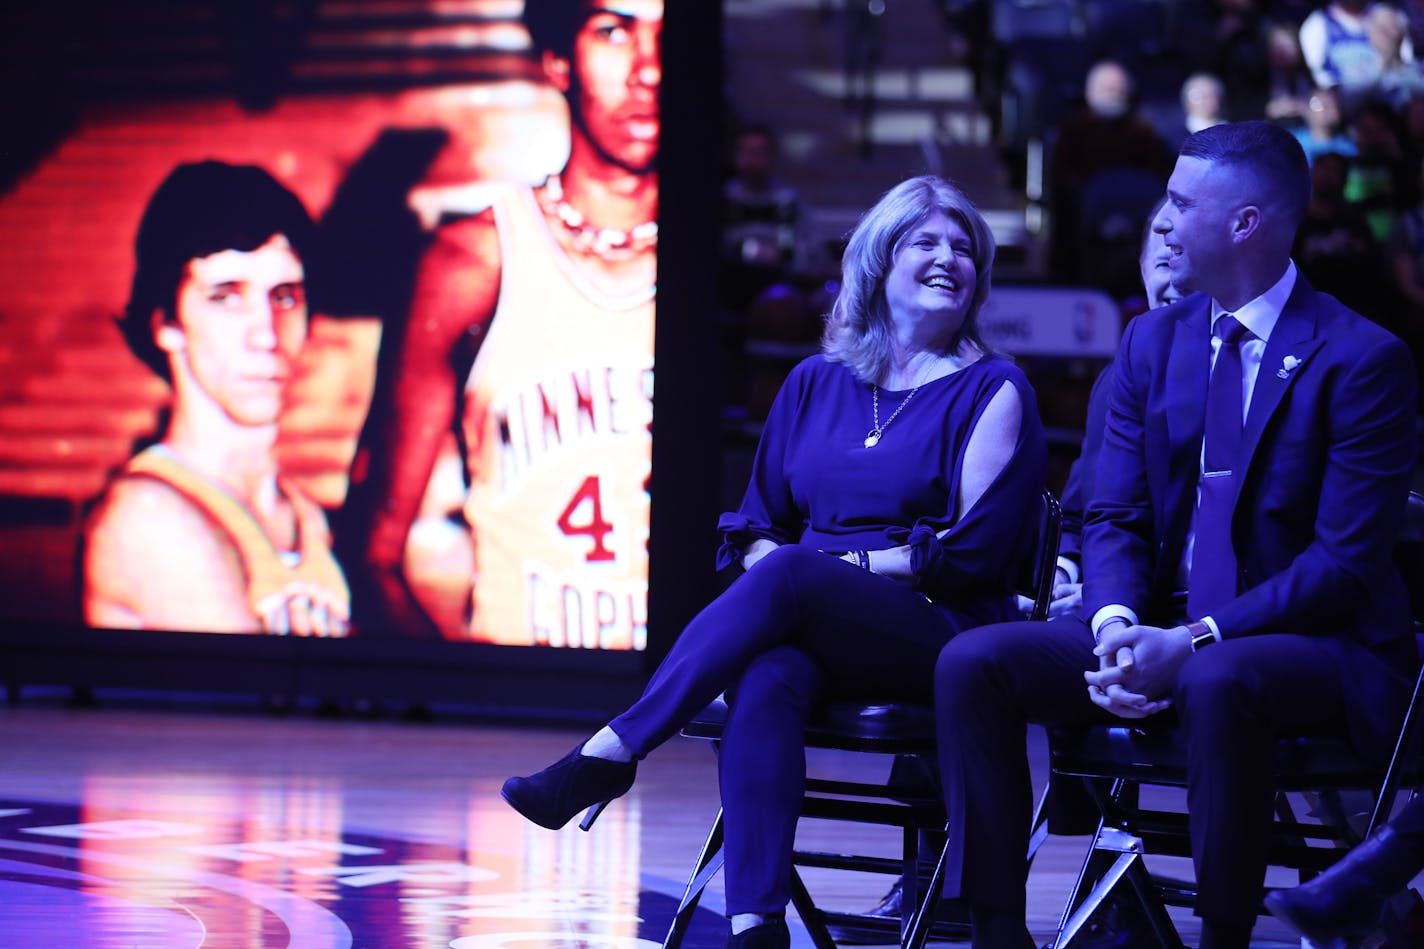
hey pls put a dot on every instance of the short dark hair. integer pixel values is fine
(553, 24)
(1272, 155)
(200, 209)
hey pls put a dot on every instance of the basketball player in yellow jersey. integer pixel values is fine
(530, 333)
(200, 532)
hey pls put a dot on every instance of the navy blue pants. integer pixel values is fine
(1233, 700)
(800, 627)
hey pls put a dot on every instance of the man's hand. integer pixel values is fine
(1138, 668)
(1066, 598)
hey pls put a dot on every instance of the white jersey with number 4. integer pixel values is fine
(556, 422)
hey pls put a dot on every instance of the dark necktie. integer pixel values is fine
(1213, 574)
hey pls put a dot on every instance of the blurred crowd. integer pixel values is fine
(1342, 76)
(1105, 92)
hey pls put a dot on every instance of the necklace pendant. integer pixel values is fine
(873, 438)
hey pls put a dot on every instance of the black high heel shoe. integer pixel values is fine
(551, 798)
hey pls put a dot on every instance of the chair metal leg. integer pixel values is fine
(1404, 746)
(1090, 872)
(1125, 853)
(811, 916)
(916, 930)
(1126, 864)
(1085, 892)
(1038, 830)
(708, 863)
(912, 901)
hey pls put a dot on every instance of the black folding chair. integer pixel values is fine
(1116, 761)
(893, 728)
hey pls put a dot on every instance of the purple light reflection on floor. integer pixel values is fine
(32, 914)
(120, 877)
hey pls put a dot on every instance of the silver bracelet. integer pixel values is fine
(862, 557)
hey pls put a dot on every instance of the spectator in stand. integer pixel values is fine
(1414, 14)
(1106, 134)
(1376, 171)
(1323, 130)
(760, 218)
(1336, 44)
(1399, 79)
(1334, 247)
(1289, 85)
(1203, 104)
(1239, 55)
(1292, 11)
(1406, 257)
(1411, 135)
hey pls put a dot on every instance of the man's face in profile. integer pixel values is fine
(241, 323)
(1196, 221)
(614, 80)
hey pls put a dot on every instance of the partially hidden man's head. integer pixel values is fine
(219, 285)
(605, 56)
(1154, 262)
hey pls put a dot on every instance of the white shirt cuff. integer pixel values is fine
(1108, 612)
(1069, 567)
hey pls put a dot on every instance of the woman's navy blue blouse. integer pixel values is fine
(815, 483)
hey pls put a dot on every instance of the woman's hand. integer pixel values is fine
(1067, 597)
(756, 550)
(893, 562)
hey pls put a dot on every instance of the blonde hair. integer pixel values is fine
(858, 329)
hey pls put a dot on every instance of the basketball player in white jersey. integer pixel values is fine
(201, 532)
(530, 335)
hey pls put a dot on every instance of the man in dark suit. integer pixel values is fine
(1253, 475)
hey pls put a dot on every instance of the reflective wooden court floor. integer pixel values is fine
(139, 824)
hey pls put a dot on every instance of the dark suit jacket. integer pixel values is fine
(1078, 488)
(1327, 452)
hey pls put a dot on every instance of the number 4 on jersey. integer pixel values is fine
(587, 504)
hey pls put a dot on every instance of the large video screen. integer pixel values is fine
(371, 356)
